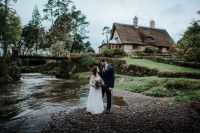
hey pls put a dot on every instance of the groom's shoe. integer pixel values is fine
(107, 111)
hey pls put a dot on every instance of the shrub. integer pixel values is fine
(173, 61)
(86, 62)
(151, 49)
(179, 75)
(186, 96)
(135, 70)
(193, 54)
(113, 53)
(158, 92)
(182, 85)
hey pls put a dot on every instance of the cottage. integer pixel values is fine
(129, 37)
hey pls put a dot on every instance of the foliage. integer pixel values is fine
(151, 49)
(158, 92)
(10, 29)
(135, 70)
(106, 31)
(191, 42)
(36, 17)
(179, 74)
(191, 38)
(147, 49)
(193, 54)
(82, 75)
(88, 48)
(68, 24)
(178, 61)
(33, 33)
(112, 53)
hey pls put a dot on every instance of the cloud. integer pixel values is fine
(177, 9)
(174, 16)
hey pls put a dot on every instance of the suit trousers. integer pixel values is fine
(108, 94)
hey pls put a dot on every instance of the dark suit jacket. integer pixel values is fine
(108, 77)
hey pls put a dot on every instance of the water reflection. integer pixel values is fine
(27, 105)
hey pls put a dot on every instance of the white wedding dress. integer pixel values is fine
(95, 100)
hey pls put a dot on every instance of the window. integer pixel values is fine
(116, 39)
(149, 40)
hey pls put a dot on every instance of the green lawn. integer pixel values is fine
(180, 90)
(160, 66)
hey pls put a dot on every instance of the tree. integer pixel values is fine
(10, 30)
(33, 33)
(36, 17)
(106, 31)
(7, 18)
(88, 48)
(54, 9)
(191, 38)
(68, 24)
(191, 42)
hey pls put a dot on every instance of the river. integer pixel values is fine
(28, 105)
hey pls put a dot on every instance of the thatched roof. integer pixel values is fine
(129, 34)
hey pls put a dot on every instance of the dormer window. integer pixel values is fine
(149, 40)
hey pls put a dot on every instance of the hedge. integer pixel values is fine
(173, 62)
(134, 70)
(179, 75)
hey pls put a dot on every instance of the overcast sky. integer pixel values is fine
(174, 16)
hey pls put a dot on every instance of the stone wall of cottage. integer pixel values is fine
(128, 48)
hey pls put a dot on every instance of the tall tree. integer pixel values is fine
(191, 42)
(68, 24)
(106, 32)
(33, 33)
(56, 8)
(191, 37)
(36, 17)
(10, 29)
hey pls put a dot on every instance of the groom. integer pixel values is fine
(107, 74)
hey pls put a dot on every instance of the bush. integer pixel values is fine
(135, 70)
(113, 53)
(87, 62)
(193, 54)
(182, 85)
(173, 61)
(151, 50)
(179, 75)
(158, 92)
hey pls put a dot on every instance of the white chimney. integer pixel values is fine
(135, 21)
(152, 24)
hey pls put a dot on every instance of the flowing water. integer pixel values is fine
(28, 105)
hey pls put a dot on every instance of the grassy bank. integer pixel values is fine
(160, 66)
(181, 89)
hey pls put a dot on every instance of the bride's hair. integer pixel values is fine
(94, 70)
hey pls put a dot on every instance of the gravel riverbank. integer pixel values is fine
(138, 113)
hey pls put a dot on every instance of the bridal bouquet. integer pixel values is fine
(98, 83)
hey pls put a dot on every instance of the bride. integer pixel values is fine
(95, 101)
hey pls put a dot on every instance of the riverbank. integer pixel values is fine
(179, 90)
(142, 114)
